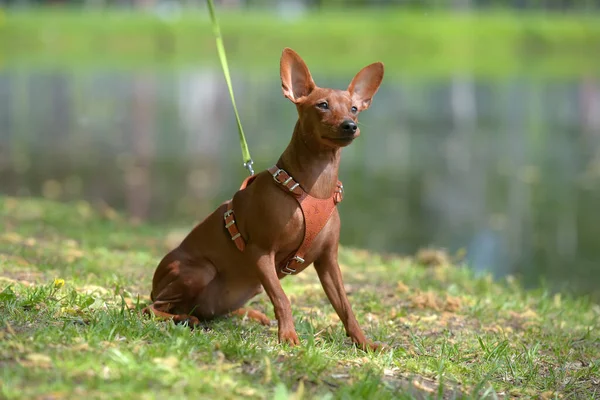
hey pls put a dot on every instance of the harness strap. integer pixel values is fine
(231, 226)
(316, 213)
(283, 178)
(229, 218)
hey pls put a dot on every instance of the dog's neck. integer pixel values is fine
(313, 165)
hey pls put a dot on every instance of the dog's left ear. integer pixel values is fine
(365, 84)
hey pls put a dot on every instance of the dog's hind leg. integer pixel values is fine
(176, 289)
(252, 314)
(177, 318)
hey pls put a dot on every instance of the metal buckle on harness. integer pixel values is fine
(276, 175)
(226, 215)
(287, 270)
(285, 183)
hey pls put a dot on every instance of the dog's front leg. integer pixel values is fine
(331, 279)
(267, 272)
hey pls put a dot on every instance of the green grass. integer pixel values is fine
(73, 278)
(409, 42)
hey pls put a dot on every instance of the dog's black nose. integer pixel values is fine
(349, 127)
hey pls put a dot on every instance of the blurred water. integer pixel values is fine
(507, 169)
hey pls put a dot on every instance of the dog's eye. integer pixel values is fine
(323, 105)
(354, 110)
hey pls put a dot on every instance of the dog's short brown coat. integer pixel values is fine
(207, 276)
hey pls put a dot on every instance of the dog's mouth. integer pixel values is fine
(340, 140)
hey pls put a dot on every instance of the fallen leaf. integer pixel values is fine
(12, 237)
(429, 318)
(167, 363)
(527, 314)
(340, 376)
(81, 347)
(420, 386)
(452, 303)
(548, 394)
(247, 392)
(38, 360)
(425, 300)
(90, 289)
(70, 243)
(72, 254)
(401, 287)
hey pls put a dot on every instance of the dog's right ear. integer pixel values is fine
(296, 81)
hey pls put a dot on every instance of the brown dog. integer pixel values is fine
(279, 228)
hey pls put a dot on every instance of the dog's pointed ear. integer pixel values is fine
(296, 81)
(365, 84)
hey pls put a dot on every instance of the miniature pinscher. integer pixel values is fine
(280, 221)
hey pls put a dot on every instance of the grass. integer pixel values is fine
(73, 278)
(433, 43)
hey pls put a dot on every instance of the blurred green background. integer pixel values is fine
(484, 136)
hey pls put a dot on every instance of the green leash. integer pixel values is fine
(221, 49)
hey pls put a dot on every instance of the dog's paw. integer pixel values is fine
(259, 317)
(193, 322)
(265, 320)
(289, 337)
(190, 319)
(372, 346)
(377, 346)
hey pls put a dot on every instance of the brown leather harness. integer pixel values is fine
(316, 214)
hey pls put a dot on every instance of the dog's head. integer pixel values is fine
(330, 116)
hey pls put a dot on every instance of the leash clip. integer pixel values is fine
(248, 166)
